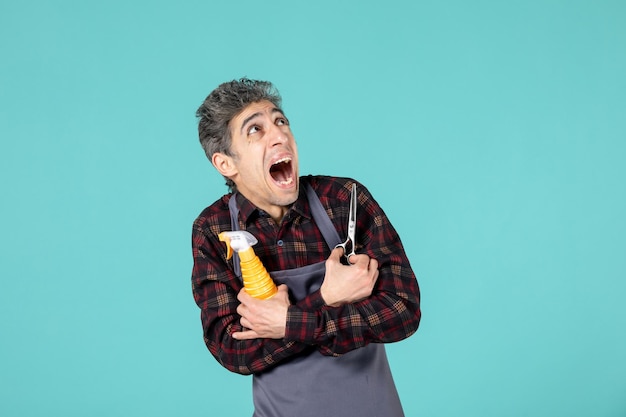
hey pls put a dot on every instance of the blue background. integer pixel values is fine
(492, 132)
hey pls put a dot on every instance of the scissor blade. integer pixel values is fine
(352, 218)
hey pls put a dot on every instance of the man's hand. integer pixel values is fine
(348, 283)
(263, 318)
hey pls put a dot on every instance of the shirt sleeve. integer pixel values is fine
(215, 288)
(390, 314)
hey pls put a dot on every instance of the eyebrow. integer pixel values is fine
(252, 116)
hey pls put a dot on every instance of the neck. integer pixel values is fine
(278, 213)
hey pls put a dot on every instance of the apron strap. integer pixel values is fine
(320, 216)
(234, 226)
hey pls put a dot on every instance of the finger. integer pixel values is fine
(360, 258)
(241, 310)
(246, 335)
(356, 258)
(374, 276)
(283, 291)
(245, 323)
(335, 255)
(243, 296)
(373, 265)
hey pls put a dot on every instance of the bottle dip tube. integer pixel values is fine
(256, 279)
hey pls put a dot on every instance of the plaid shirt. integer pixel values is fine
(390, 314)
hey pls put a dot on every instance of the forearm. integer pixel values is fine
(243, 356)
(390, 314)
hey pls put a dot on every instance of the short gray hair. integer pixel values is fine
(222, 105)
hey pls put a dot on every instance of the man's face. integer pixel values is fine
(265, 158)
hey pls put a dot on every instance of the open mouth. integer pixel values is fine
(282, 172)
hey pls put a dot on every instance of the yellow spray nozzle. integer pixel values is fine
(224, 238)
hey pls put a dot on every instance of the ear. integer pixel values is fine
(224, 164)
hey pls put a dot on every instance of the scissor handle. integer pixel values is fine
(351, 227)
(346, 254)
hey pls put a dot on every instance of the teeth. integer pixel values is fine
(280, 161)
(287, 182)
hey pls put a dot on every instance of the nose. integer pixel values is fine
(277, 136)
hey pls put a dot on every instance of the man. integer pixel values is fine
(316, 347)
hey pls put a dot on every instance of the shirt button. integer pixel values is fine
(280, 243)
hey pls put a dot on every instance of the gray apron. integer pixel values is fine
(358, 383)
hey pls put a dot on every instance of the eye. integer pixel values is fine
(253, 129)
(282, 121)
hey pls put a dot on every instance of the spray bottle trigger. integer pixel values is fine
(223, 237)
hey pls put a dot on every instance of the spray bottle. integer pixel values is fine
(256, 279)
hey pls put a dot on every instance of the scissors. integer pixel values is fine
(351, 227)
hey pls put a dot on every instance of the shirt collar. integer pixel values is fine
(249, 211)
